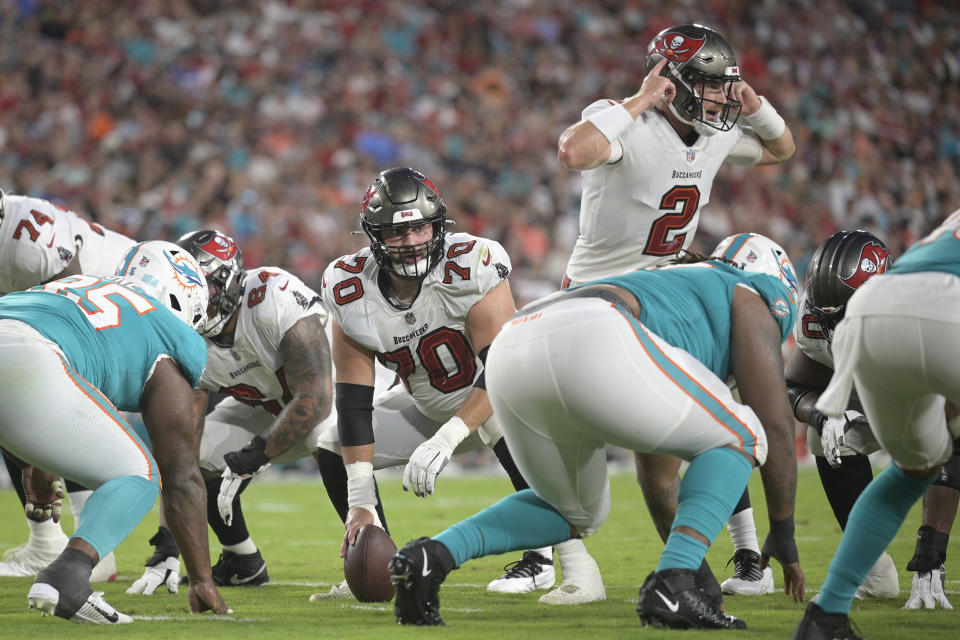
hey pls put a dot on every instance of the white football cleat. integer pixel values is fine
(106, 569)
(27, 560)
(882, 582)
(531, 572)
(748, 579)
(574, 592)
(95, 610)
(337, 592)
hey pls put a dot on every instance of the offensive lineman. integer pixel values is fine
(898, 343)
(426, 304)
(268, 352)
(841, 445)
(648, 163)
(39, 242)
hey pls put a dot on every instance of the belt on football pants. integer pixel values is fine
(583, 292)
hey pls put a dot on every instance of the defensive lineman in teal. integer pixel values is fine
(638, 361)
(899, 343)
(75, 352)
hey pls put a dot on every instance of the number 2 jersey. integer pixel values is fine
(39, 239)
(110, 331)
(250, 370)
(427, 344)
(642, 209)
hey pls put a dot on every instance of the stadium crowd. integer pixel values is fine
(266, 119)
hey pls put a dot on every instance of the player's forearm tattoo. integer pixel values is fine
(305, 354)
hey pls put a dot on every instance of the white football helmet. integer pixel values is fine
(759, 254)
(171, 275)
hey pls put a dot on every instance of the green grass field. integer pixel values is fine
(299, 533)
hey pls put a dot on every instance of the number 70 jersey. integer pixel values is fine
(426, 344)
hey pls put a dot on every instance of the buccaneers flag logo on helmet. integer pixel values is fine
(873, 261)
(676, 47)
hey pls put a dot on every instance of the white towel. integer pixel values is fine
(847, 341)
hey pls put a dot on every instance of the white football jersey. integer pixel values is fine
(639, 211)
(250, 370)
(39, 239)
(427, 344)
(810, 338)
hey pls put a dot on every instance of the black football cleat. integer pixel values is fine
(671, 598)
(236, 570)
(417, 571)
(817, 624)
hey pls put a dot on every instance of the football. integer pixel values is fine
(365, 565)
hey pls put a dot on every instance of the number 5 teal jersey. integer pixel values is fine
(110, 331)
(699, 323)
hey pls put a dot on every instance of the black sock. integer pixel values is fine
(70, 575)
(506, 461)
(237, 531)
(334, 475)
(845, 484)
(744, 503)
(16, 479)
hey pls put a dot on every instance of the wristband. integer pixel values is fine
(817, 420)
(766, 122)
(612, 121)
(361, 488)
(452, 433)
(780, 542)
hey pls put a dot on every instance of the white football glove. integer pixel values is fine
(927, 591)
(229, 486)
(242, 464)
(429, 459)
(832, 435)
(166, 572)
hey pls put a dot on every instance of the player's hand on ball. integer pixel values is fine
(165, 572)
(927, 591)
(357, 518)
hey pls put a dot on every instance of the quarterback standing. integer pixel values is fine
(648, 163)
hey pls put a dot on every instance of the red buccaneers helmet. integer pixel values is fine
(222, 263)
(697, 56)
(398, 198)
(838, 267)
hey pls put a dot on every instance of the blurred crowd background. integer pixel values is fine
(268, 119)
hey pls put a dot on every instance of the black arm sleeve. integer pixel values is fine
(354, 414)
(796, 392)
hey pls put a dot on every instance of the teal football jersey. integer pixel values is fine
(110, 330)
(939, 251)
(689, 306)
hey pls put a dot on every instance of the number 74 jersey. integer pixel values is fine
(427, 344)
